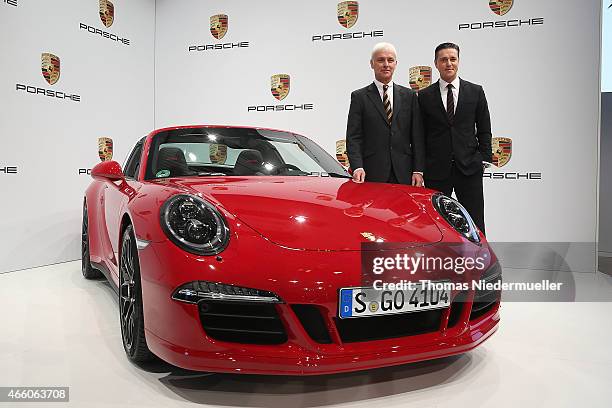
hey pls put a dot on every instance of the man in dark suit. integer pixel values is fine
(457, 134)
(384, 133)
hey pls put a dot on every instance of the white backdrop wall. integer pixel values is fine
(45, 139)
(541, 79)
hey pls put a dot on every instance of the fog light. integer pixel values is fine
(193, 292)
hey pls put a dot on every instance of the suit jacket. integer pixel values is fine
(467, 140)
(376, 146)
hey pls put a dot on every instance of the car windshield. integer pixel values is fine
(221, 151)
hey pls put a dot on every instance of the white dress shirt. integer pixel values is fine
(379, 86)
(444, 91)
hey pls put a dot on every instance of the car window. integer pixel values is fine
(132, 165)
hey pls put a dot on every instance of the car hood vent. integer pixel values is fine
(321, 213)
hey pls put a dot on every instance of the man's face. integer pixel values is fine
(447, 63)
(383, 63)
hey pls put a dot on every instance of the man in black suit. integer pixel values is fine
(384, 132)
(457, 134)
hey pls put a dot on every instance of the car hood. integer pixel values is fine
(320, 213)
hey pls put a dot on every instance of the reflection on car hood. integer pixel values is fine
(320, 213)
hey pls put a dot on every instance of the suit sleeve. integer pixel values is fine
(483, 127)
(354, 133)
(418, 137)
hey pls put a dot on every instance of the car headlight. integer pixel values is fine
(456, 216)
(194, 225)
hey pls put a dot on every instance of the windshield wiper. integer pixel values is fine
(339, 175)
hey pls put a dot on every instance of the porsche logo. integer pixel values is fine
(105, 148)
(50, 65)
(500, 7)
(107, 13)
(280, 84)
(502, 150)
(218, 25)
(348, 12)
(369, 236)
(341, 155)
(217, 153)
(420, 77)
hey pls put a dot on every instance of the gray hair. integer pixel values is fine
(383, 46)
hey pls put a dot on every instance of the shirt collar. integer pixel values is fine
(455, 83)
(379, 85)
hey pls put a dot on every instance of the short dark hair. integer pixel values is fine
(445, 46)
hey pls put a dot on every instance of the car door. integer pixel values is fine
(116, 196)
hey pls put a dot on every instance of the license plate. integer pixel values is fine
(361, 302)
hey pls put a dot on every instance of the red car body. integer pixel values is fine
(305, 264)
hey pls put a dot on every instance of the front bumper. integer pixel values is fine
(295, 360)
(175, 332)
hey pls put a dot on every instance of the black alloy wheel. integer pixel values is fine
(130, 300)
(88, 271)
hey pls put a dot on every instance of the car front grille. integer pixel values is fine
(484, 299)
(242, 322)
(388, 327)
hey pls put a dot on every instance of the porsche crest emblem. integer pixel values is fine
(369, 236)
(502, 150)
(348, 13)
(218, 25)
(341, 155)
(107, 13)
(420, 77)
(280, 84)
(217, 153)
(50, 65)
(105, 148)
(500, 7)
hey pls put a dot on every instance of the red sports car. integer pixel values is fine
(251, 250)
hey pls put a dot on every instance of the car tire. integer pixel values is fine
(88, 271)
(131, 317)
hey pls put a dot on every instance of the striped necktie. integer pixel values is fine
(450, 103)
(387, 104)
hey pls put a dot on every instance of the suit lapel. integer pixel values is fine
(397, 102)
(377, 101)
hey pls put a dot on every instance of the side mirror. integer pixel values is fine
(108, 170)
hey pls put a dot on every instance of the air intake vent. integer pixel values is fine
(242, 322)
(456, 309)
(484, 299)
(388, 327)
(313, 322)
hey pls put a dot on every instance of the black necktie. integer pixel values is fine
(387, 104)
(450, 103)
